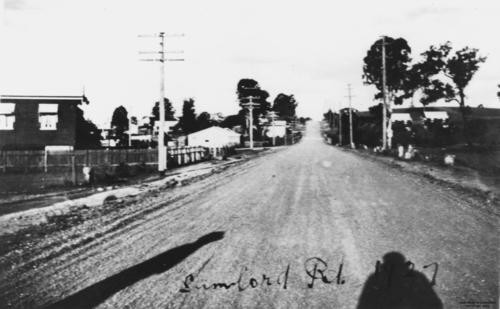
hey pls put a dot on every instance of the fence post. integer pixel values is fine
(45, 159)
(73, 168)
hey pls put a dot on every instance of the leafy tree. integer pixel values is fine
(329, 117)
(204, 121)
(169, 111)
(249, 87)
(398, 75)
(377, 111)
(285, 106)
(119, 124)
(498, 93)
(188, 122)
(459, 70)
(421, 73)
(304, 120)
(87, 135)
(234, 120)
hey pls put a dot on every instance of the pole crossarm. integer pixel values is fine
(250, 104)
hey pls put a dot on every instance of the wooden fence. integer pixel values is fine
(32, 161)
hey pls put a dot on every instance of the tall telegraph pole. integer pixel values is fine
(340, 125)
(162, 148)
(250, 105)
(384, 94)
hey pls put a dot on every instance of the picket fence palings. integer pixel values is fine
(34, 160)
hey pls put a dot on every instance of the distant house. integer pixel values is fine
(404, 117)
(447, 113)
(35, 122)
(276, 129)
(214, 137)
(419, 114)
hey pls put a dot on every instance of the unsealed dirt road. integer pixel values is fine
(302, 227)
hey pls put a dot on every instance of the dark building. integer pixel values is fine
(33, 122)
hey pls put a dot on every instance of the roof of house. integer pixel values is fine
(215, 129)
(454, 112)
(401, 117)
(43, 99)
(436, 115)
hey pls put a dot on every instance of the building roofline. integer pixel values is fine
(227, 130)
(43, 97)
(79, 99)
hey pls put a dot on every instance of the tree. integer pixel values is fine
(498, 93)
(204, 121)
(329, 117)
(377, 112)
(398, 75)
(248, 87)
(169, 111)
(119, 124)
(234, 120)
(459, 70)
(285, 106)
(187, 122)
(87, 135)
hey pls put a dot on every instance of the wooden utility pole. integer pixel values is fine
(349, 96)
(384, 95)
(340, 125)
(129, 132)
(162, 148)
(130, 128)
(250, 105)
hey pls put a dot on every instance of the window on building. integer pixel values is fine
(47, 116)
(7, 116)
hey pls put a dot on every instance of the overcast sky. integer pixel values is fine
(311, 49)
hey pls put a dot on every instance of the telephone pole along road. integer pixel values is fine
(310, 200)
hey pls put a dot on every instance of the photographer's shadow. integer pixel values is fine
(395, 284)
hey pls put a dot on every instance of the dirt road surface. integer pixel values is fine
(302, 227)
